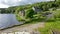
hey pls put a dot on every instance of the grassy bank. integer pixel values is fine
(49, 26)
(52, 24)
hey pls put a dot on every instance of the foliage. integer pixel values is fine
(56, 16)
(49, 26)
(52, 24)
(18, 18)
(42, 5)
(29, 13)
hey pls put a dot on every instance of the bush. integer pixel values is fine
(38, 17)
(51, 19)
(29, 13)
(19, 18)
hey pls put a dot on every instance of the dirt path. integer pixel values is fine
(27, 27)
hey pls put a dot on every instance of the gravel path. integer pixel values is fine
(26, 27)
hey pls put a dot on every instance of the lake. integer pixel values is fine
(8, 20)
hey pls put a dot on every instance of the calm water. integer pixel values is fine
(7, 20)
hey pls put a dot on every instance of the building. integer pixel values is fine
(36, 9)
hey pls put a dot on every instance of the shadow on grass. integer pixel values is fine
(33, 21)
(51, 21)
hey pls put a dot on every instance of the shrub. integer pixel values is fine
(29, 13)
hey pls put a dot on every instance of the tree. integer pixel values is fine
(29, 13)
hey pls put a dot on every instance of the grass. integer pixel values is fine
(51, 25)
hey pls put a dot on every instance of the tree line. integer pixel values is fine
(44, 6)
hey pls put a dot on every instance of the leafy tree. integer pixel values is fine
(29, 13)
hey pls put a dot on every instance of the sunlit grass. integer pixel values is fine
(51, 25)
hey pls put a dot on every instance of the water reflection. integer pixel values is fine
(7, 20)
